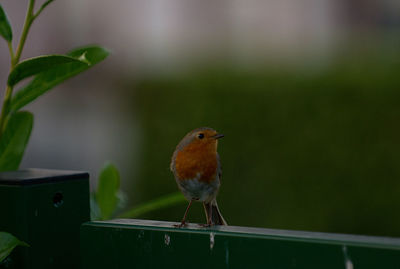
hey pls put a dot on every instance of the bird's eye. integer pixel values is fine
(200, 136)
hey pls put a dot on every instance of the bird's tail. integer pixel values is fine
(213, 214)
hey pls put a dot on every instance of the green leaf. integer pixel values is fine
(93, 54)
(44, 81)
(107, 191)
(34, 66)
(7, 243)
(14, 140)
(45, 4)
(156, 204)
(5, 28)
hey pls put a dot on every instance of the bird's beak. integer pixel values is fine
(218, 136)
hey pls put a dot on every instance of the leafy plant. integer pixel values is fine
(108, 199)
(46, 72)
(7, 243)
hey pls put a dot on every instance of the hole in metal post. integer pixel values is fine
(58, 199)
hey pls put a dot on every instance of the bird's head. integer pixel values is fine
(201, 137)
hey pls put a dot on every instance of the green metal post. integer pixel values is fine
(44, 208)
(154, 244)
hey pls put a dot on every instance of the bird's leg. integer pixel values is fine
(209, 217)
(209, 221)
(183, 222)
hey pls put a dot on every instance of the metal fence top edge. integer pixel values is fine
(34, 176)
(262, 233)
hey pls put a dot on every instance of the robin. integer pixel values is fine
(197, 170)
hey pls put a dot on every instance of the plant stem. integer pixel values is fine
(45, 4)
(156, 204)
(28, 22)
(5, 109)
(29, 18)
(11, 50)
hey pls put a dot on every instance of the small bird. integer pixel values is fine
(197, 170)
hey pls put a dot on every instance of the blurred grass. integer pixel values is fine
(156, 204)
(302, 150)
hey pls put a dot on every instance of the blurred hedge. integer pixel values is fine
(303, 150)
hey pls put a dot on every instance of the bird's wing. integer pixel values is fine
(219, 171)
(172, 165)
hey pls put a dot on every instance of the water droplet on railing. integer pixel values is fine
(212, 240)
(141, 234)
(349, 264)
(167, 239)
(347, 261)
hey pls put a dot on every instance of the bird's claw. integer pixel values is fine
(181, 225)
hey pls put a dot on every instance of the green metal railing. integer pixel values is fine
(153, 244)
(50, 211)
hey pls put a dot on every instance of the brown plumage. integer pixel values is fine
(197, 170)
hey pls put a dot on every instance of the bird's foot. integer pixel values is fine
(180, 225)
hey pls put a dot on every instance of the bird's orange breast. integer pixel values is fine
(196, 161)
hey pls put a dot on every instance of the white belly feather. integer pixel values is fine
(194, 189)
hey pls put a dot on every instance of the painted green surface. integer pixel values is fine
(47, 215)
(153, 244)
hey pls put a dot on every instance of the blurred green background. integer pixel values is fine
(302, 151)
(305, 91)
